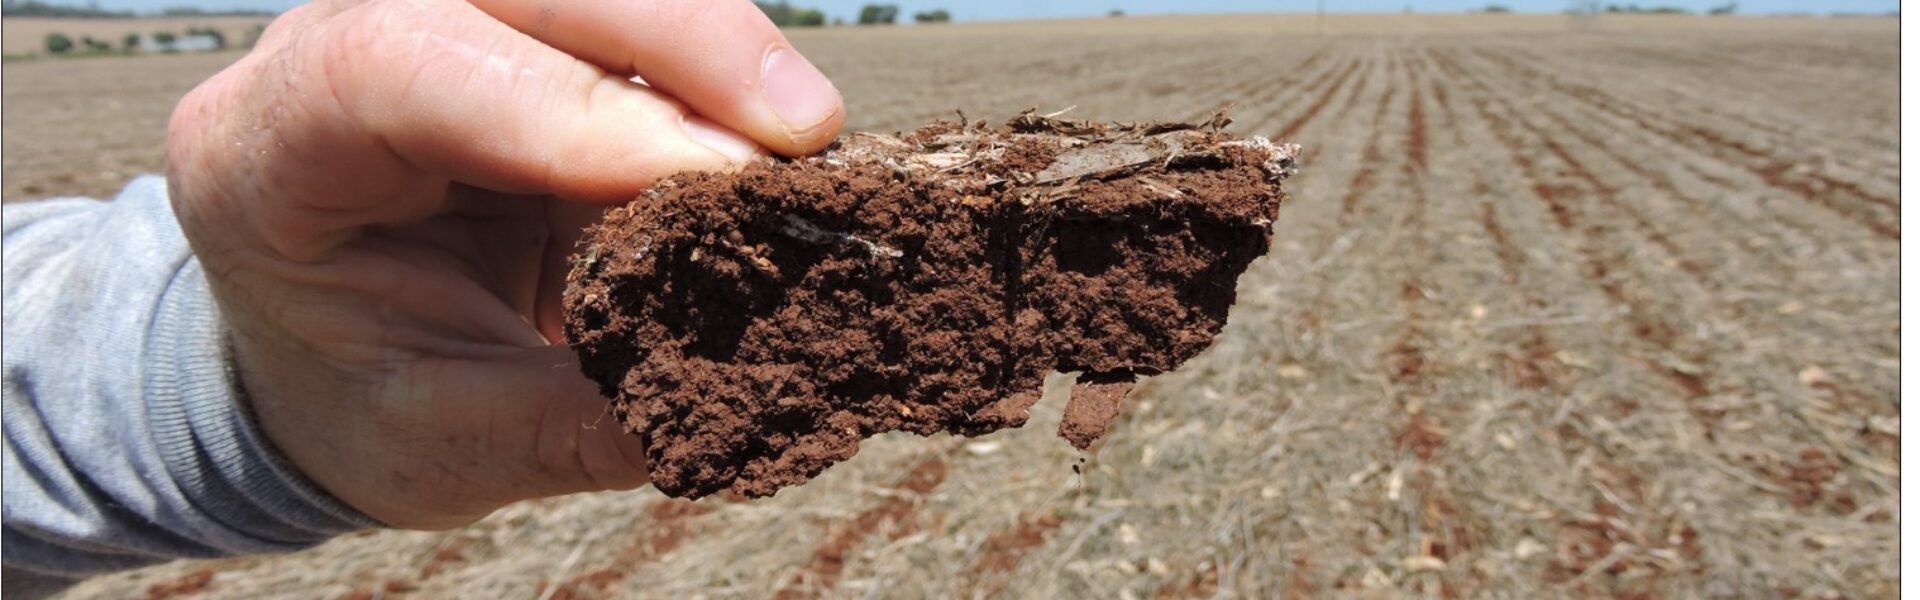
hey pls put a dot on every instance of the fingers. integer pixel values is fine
(547, 429)
(452, 91)
(722, 57)
(582, 445)
(367, 115)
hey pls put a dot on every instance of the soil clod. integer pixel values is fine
(1091, 411)
(754, 327)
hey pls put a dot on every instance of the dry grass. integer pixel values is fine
(1552, 314)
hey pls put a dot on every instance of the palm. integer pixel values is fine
(438, 326)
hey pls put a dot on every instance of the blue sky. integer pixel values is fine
(1025, 9)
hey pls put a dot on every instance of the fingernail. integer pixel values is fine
(712, 135)
(797, 91)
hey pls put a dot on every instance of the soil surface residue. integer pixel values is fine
(754, 327)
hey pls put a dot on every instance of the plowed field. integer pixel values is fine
(1609, 312)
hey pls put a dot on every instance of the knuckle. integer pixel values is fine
(196, 160)
(354, 42)
(389, 55)
(361, 45)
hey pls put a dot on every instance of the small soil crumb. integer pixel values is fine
(1091, 411)
(754, 327)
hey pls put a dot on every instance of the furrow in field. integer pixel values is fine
(1708, 108)
(1274, 101)
(1718, 144)
(1664, 183)
(1302, 74)
(1796, 228)
(1183, 88)
(1786, 269)
(1371, 158)
(1002, 552)
(1777, 172)
(1433, 517)
(1602, 269)
(1529, 367)
(1406, 360)
(1293, 127)
(1809, 343)
(1444, 101)
(1353, 96)
(1342, 250)
(1532, 366)
(1689, 365)
(200, 581)
(667, 526)
(1624, 531)
(1279, 101)
(1342, 108)
(1609, 196)
(829, 560)
(1416, 143)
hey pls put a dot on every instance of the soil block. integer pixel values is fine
(755, 326)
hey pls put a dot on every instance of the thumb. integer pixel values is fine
(549, 430)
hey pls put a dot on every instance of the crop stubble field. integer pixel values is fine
(1598, 313)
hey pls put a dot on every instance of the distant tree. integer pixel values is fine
(194, 11)
(1116, 13)
(219, 39)
(1638, 10)
(35, 8)
(1724, 9)
(938, 15)
(1496, 9)
(838, 22)
(59, 43)
(781, 13)
(879, 14)
(784, 14)
(130, 43)
(95, 46)
(165, 39)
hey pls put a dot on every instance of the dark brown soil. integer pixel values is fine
(756, 326)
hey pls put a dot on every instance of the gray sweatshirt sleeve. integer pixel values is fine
(128, 442)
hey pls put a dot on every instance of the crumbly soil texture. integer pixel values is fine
(755, 326)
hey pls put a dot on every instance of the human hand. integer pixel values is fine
(383, 194)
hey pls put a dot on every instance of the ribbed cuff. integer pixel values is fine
(206, 434)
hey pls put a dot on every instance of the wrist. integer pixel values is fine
(206, 432)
